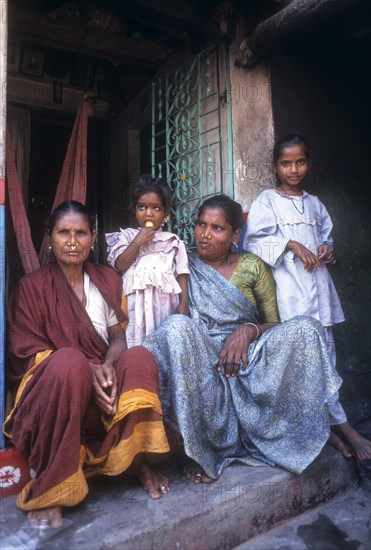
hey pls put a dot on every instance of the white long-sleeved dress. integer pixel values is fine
(274, 219)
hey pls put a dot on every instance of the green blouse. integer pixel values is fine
(254, 279)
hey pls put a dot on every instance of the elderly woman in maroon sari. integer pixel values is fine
(83, 403)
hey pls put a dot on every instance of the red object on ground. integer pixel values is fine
(14, 472)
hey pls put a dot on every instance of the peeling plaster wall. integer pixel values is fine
(252, 131)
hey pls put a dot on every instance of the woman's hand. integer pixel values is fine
(105, 387)
(309, 259)
(325, 253)
(235, 350)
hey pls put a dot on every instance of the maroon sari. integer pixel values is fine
(55, 422)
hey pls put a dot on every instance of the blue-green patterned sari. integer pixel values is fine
(273, 413)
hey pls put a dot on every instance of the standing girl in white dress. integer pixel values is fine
(153, 262)
(291, 231)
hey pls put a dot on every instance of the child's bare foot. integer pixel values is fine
(335, 441)
(46, 516)
(359, 444)
(152, 481)
(194, 472)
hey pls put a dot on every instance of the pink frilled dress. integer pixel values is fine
(150, 284)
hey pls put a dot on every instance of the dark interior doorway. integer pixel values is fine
(50, 135)
(49, 141)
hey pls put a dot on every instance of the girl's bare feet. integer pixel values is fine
(152, 481)
(359, 444)
(339, 444)
(46, 516)
(194, 472)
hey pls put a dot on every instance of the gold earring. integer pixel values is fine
(50, 248)
(92, 247)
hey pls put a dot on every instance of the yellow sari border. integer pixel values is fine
(68, 493)
(39, 358)
(124, 307)
(131, 401)
(147, 437)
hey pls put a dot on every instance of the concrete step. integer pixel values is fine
(342, 523)
(243, 503)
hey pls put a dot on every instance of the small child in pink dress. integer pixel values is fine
(153, 262)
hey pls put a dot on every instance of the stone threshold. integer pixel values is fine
(244, 502)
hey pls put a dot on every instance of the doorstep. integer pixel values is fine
(244, 502)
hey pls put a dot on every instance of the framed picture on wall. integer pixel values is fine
(33, 61)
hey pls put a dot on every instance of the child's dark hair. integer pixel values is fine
(232, 209)
(290, 140)
(150, 184)
(67, 207)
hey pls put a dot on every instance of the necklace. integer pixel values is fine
(226, 269)
(293, 201)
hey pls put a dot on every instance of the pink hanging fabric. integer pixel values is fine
(22, 231)
(73, 180)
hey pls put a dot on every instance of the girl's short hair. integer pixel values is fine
(65, 208)
(290, 140)
(232, 209)
(150, 184)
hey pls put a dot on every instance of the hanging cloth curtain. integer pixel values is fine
(71, 185)
(20, 131)
(73, 180)
(22, 231)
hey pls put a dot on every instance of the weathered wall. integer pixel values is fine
(252, 129)
(327, 99)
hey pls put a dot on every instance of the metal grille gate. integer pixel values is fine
(186, 137)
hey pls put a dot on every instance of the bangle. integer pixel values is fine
(259, 330)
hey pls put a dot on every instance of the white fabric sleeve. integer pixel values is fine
(326, 226)
(112, 318)
(181, 260)
(117, 242)
(262, 234)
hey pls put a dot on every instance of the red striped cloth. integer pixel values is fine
(22, 231)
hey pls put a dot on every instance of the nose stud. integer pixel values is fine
(72, 245)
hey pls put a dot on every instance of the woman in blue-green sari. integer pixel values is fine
(236, 384)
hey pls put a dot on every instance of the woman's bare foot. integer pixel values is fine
(46, 516)
(194, 472)
(360, 445)
(339, 444)
(152, 481)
